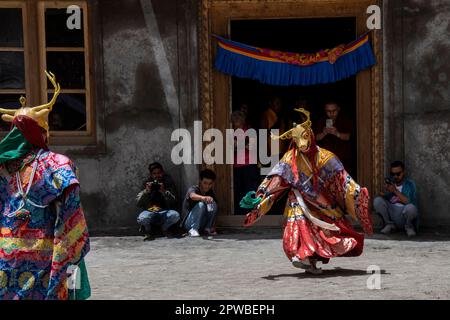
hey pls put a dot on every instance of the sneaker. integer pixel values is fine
(149, 237)
(410, 232)
(209, 232)
(194, 233)
(388, 229)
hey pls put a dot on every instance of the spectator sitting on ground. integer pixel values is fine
(398, 206)
(200, 206)
(157, 173)
(155, 213)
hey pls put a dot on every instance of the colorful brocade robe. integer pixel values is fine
(316, 225)
(48, 234)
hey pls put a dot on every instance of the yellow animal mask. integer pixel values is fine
(301, 134)
(38, 113)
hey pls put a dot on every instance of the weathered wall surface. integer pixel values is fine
(417, 99)
(146, 74)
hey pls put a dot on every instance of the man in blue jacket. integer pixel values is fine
(398, 205)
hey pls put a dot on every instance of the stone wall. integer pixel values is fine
(145, 75)
(417, 99)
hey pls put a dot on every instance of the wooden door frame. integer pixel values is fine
(215, 87)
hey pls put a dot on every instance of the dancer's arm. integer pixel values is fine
(270, 190)
(352, 198)
(71, 239)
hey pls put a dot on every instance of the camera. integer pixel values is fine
(388, 181)
(154, 185)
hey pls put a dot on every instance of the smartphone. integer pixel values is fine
(329, 123)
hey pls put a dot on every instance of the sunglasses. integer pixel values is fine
(396, 174)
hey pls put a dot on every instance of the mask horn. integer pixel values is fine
(10, 112)
(284, 136)
(7, 117)
(49, 105)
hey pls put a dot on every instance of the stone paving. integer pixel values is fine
(251, 265)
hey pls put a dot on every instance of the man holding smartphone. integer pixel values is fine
(334, 133)
(398, 205)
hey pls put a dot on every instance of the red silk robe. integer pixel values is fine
(316, 224)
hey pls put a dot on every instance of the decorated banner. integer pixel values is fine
(287, 68)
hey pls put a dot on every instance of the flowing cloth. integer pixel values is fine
(42, 233)
(316, 224)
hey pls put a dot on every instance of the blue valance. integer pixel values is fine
(285, 68)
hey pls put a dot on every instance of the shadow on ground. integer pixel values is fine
(421, 237)
(250, 234)
(261, 233)
(336, 272)
(277, 233)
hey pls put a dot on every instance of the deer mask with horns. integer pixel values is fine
(38, 113)
(301, 134)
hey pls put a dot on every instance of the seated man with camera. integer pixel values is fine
(157, 200)
(397, 206)
(157, 173)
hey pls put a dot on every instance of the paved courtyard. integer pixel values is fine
(252, 265)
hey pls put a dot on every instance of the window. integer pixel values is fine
(45, 35)
(12, 56)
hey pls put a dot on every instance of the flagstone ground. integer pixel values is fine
(251, 265)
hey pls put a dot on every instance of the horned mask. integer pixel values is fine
(38, 113)
(301, 134)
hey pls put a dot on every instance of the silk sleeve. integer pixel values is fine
(71, 240)
(270, 190)
(352, 198)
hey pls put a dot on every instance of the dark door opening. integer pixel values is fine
(302, 36)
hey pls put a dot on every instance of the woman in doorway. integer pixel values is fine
(245, 171)
(320, 195)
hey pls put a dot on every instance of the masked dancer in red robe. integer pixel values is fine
(321, 194)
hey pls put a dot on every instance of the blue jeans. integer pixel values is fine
(165, 218)
(200, 218)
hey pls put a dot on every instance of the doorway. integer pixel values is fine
(301, 36)
(219, 93)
